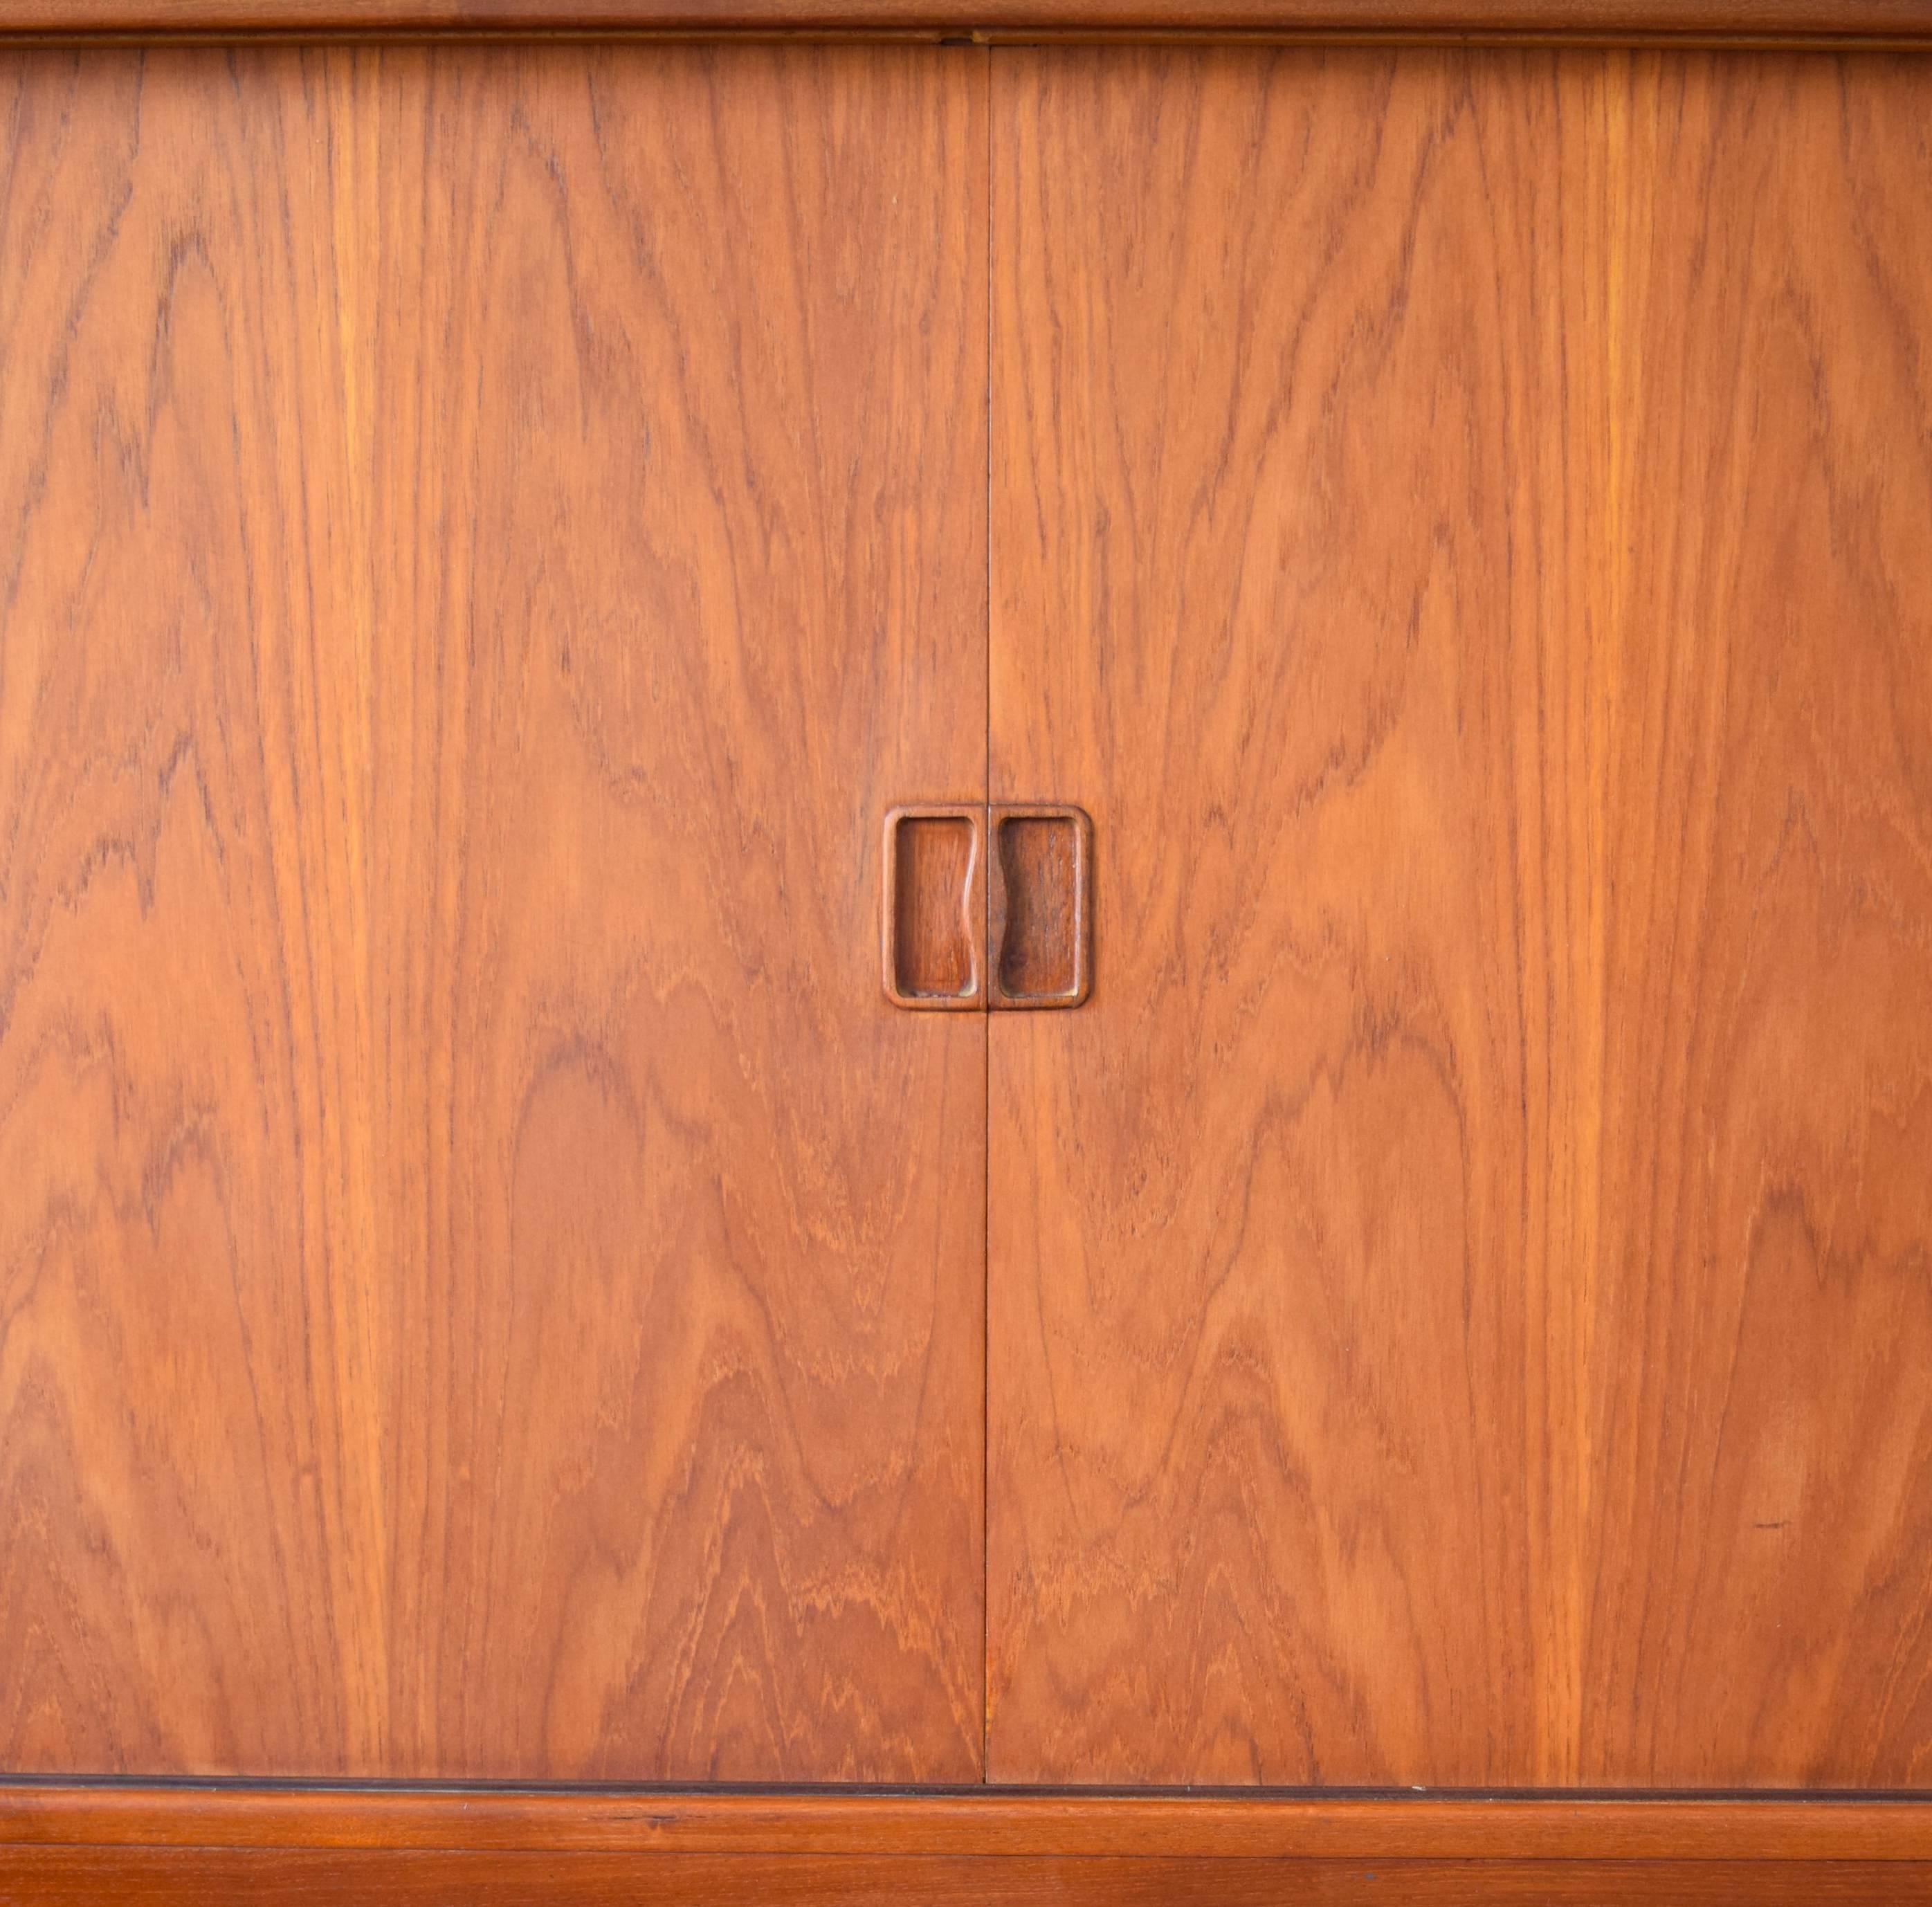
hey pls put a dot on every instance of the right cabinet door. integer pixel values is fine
(1460, 1289)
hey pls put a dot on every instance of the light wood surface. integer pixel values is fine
(491, 1286)
(682, 453)
(194, 1376)
(1752, 1456)
(1458, 1307)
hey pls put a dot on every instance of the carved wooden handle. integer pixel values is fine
(1040, 917)
(1029, 868)
(935, 881)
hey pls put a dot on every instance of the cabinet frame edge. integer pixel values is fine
(1820, 24)
(1810, 1826)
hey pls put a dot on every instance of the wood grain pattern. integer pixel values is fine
(1259, 1417)
(202, 1877)
(682, 455)
(1755, 1458)
(162, 1843)
(1831, 22)
(1459, 1294)
(491, 1286)
(979, 1821)
(192, 1543)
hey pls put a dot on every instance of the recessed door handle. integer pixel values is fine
(987, 908)
(935, 862)
(1039, 935)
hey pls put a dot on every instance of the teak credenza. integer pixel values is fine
(1345, 590)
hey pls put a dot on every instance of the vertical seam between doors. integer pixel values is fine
(986, 1042)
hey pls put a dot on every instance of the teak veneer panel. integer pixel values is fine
(192, 1381)
(1461, 1290)
(684, 450)
(489, 1287)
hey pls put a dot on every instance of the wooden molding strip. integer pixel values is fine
(966, 1822)
(1835, 22)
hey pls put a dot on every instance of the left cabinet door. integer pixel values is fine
(488, 1286)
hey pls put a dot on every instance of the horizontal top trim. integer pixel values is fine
(1836, 22)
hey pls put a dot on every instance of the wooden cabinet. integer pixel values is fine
(1392, 585)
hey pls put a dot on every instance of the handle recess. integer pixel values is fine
(935, 862)
(1040, 914)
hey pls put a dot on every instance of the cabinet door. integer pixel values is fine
(1460, 1307)
(491, 1287)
